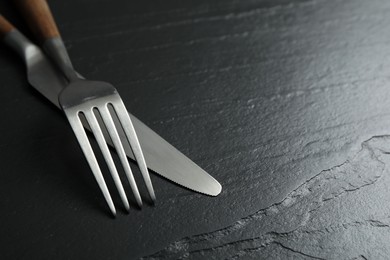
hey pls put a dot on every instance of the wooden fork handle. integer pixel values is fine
(5, 27)
(39, 18)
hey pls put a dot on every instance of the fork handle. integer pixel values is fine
(40, 19)
(5, 27)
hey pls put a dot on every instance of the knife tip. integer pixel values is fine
(216, 189)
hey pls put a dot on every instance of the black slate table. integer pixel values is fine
(285, 102)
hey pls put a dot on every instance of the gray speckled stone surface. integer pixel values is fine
(284, 102)
(337, 214)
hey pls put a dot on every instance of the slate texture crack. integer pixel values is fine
(315, 221)
(299, 253)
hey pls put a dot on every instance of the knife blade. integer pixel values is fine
(161, 157)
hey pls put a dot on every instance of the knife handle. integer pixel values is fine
(5, 27)
(39, 18)
(14, 39)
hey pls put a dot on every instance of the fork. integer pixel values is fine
(91, 101)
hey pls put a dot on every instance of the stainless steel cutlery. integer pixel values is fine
(98, 107)
(86, 100)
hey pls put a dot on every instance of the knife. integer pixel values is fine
(161, 157)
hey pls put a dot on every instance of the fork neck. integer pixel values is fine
(56, 49)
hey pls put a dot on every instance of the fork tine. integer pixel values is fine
(132, 138)
(82, 138)
(110, 126)
(96, 130)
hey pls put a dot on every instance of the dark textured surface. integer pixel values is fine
(284, 102)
